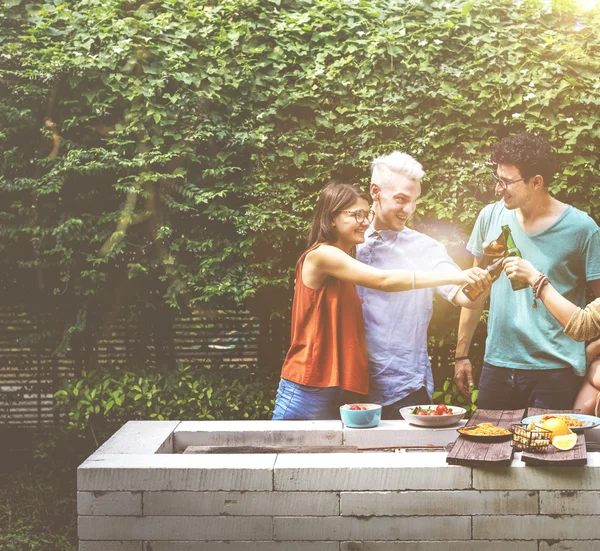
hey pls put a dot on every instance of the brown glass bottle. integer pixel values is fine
(496, 248)
(494, 269)
(492, 251)
(513, 251)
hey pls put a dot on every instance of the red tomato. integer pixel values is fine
(441, 409)
(422, 412)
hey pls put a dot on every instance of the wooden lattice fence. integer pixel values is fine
(30, 372)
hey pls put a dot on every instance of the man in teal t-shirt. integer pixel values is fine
(529, 361)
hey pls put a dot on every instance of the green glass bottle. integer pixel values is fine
(513, 251)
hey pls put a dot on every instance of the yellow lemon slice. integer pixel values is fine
(565, 442)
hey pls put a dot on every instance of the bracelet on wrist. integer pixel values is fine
(537, 280)
(461, 358)
(537, 288)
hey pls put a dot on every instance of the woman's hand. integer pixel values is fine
(475, 276)
(520, 269)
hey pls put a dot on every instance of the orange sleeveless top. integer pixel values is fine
(328, 346)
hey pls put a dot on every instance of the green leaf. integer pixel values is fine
(467, 7)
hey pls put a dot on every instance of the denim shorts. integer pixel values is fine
(299, 402)
(506, 388)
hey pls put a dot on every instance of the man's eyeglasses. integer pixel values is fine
(361, 215)
(505, 183)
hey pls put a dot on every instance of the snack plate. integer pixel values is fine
(590, 420)
(483, 437)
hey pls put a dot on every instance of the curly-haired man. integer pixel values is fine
(529, 361)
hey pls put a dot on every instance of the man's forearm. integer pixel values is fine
(469, 319)
(460, 299)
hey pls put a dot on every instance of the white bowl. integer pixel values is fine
(433, 420)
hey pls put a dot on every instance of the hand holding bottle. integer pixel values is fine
(476, 277)
(493, 271)
(513, 250)
(519, 269)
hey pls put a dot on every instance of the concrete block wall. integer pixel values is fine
(373, 501)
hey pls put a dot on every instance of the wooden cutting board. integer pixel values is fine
(553, 457)
(480, 453)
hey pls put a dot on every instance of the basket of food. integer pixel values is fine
(531, 438)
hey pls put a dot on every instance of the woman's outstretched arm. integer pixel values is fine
(329, 260)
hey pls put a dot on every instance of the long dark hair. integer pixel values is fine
(335, 197)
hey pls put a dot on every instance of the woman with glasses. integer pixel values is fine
(580, 324)
(328, 352)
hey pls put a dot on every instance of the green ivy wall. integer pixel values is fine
(171, 151)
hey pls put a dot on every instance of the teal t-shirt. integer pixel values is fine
(568, 252)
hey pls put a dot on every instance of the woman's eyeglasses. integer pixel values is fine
(361, 215)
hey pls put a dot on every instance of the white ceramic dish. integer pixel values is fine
(433, 420)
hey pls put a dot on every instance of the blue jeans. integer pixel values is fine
(299, 402)
(506, 388)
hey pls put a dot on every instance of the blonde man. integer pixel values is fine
(396, 323)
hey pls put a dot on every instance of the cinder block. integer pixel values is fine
(519, 476)
(258, 433)
(570, 503)
(440, 546)
(109, 503)
(377, 528)
(175, 528)
(569, 545)
(377, 471)
(394, 433)
(140, 437)
(243, 546)
(111, 546)
(132, 473)
(242, 503)
(536, 527)
(428, 503)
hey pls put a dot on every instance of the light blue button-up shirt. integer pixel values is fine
(396, 323)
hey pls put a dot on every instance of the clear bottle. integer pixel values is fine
(513, 251)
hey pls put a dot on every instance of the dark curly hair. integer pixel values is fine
(531, 154)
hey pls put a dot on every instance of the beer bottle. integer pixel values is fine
(513, 251)
(493, 250)
(494, 269)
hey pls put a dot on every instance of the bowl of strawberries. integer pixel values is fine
(360, 416)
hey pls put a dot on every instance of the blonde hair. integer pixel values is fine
(396, 162)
